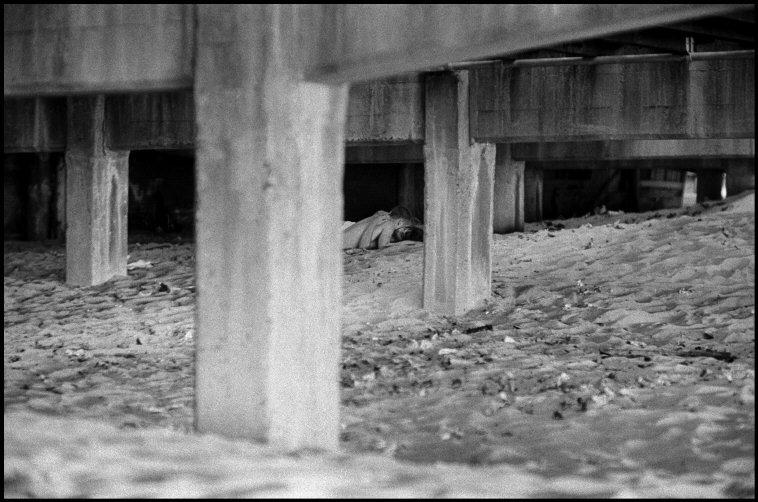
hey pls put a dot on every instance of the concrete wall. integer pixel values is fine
(151, 121)
(386, 110)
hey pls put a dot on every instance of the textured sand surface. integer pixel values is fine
(615, 358)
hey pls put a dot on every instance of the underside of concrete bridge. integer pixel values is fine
(484, 103)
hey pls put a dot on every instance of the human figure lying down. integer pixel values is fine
(378, 230)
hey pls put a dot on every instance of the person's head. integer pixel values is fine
(408, 233)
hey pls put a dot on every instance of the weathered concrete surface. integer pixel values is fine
(459, 177)
(64, 48)
(635, 149)
(269, 165)
(97, 194)
(386, 110)
(610, 101)
(112, 48)
(374, 41)
(533, 183)
(740, 175)
(508, 203)
(34, 125)
(384, 154)
(151, 121)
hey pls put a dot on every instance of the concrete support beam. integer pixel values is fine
(698, 99)
(374, 41)
(151, 121)
(97, 194)
(459, 179)
(385, 154)
(740, 175)
(110, 48)
(636, 149)
(386, 110)
(69, 48)
(269, 262)
(508, 203)
(532, 194)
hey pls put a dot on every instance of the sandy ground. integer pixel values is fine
(615, 358)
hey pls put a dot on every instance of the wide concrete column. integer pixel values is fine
(269, 262)
(97, 194)
(459, 176)
(508, 205)
(532, 194)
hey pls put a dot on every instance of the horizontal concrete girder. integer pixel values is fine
(375, 41)
(712, 98)
(71, 49)
(386, 110)
(66, 49)
(635, 149)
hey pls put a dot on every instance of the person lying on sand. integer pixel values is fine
(378, 230)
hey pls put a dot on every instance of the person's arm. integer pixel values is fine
(385, 234)
(373, 228)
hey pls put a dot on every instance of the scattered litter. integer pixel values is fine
(476, 329)
(139, 264)
(716, 354)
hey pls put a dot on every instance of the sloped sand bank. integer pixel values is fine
(615, 358)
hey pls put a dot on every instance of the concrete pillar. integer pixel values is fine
(269, 163)
(97, 187)
(39, 203)
(508, 204)
(709, 184)
(740, 175)
(459, 177)
(532, 194)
